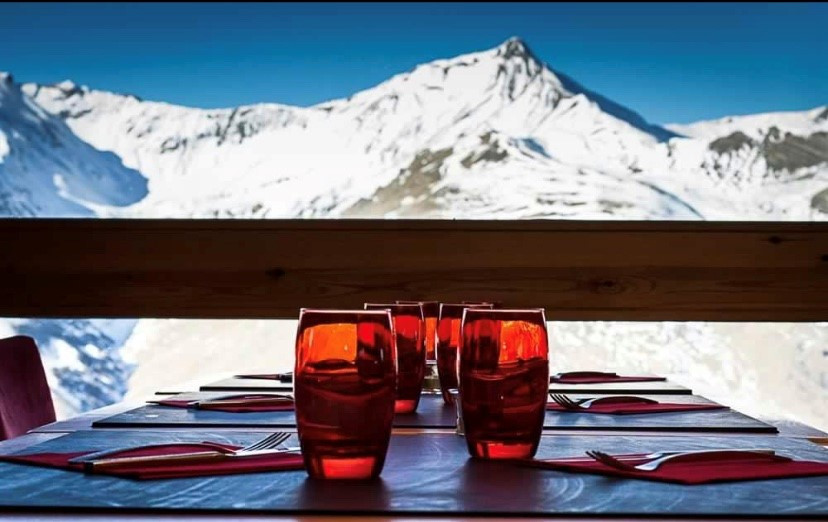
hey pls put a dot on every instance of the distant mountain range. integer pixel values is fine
(495, 134)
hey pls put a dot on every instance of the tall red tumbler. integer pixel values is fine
(409, 333)
(431, 310)
(448, 340)
(344, 382)
(504, 381)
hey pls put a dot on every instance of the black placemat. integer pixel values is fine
(723, 420)
(432, 413)
(427, 474)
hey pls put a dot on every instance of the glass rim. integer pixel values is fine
(398, 308)
(505, 311)
(333, 311)
(499, 310)
(459, 308)
(392, 305)
(465, 305)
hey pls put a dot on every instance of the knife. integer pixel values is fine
(181, 458)
(103, 453)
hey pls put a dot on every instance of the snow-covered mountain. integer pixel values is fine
(441, 140)
(427, 142)
(495, 134)
(772, 164)
(47, 170)
(85, 366)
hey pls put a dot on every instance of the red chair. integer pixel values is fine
(25, 401)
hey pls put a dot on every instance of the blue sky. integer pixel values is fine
(671, 62)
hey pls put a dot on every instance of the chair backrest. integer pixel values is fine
(25, 401)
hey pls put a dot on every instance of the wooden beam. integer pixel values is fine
(261, 269)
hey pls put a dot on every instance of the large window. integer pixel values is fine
(670, 112)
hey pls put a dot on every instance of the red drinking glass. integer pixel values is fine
(409, 330)
(448, 340)
(431, 310)
(504, 380)
(344, 382)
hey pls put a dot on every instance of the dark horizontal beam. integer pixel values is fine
(575, 269)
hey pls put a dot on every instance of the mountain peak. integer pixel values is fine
(66, 85)
(70, 88)
(515, 56)
(514, 47)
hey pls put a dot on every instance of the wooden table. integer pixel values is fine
(83, 424)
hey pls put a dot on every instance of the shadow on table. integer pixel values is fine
(499, 486)
(344, 495)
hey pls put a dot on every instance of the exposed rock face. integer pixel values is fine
(784, 153)
(410, 192)
(820, 201)
(796, 152)
(731, 143)
(491, 153)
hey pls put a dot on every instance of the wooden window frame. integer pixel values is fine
(577, 270)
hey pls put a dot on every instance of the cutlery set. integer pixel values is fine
(657, 459)
(236, 399)
(98, 461)
(583, 404)
(270, 445)
(654, 460)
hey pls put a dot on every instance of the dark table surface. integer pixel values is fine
(433, 413)
(428, 474)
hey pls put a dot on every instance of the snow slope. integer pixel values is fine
(768, 166)
(757, 125)
(46, 170)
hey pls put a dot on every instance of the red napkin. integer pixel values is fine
(283, 377)
(620, 406)
(702, 469)
(598, 377)
(230, 466)
(276, 404)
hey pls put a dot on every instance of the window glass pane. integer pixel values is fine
(663, 112)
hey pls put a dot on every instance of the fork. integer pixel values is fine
(565, 402)
(99, 454)
(583, 404)
(661, 458)
(266, 445)
(272, 441)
